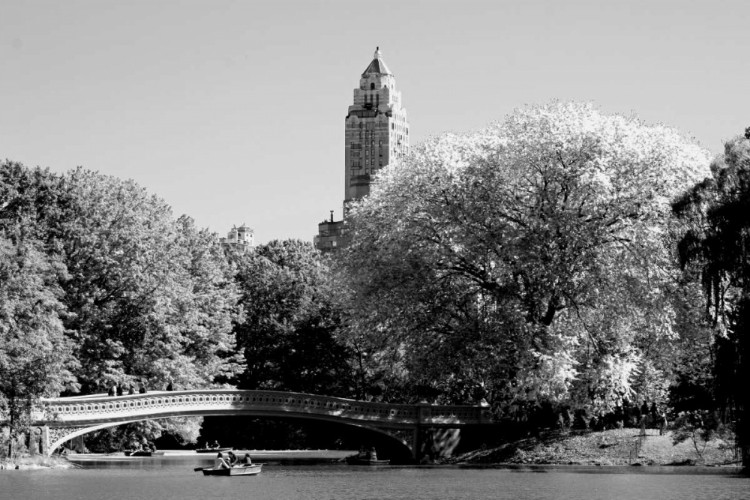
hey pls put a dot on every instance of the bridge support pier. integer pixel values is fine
(35, 441)
(44, 440)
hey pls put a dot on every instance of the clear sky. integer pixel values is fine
(233, 112)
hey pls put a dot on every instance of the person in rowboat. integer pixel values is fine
(246, 460)
(221, 462)
(232, 459)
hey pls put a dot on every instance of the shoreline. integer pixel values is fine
(610, 469)
(36, 463)
(612, 451)
(627, 447)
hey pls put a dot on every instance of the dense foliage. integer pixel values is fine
(35, 355)
(102, 286)
(123, 293)
(146, 297)
(287, 335)
(714, 251)
(528, 262)
(563, 260)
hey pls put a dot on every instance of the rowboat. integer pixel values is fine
(237, 470)
(213, 450)
(138, 453)
(366, 461)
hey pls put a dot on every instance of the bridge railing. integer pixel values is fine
(99, 409)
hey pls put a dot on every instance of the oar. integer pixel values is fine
(197, 469)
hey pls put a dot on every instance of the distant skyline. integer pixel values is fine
(233, 112)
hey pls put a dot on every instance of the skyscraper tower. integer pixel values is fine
(376, 134)
(377, 131)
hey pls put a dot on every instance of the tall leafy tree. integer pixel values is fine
(149, 297)
(153, 297)
(288, 334)
(35, 356)
(535, 251)
(714, 250)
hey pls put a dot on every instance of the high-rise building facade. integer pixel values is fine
(376, 134)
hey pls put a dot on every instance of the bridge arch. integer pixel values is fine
(66, 434)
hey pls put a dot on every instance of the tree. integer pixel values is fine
(529, 261)
(147, 297)
(714, 252)
(153, 297)
(287, 336)
(35, 356)
(150, 297)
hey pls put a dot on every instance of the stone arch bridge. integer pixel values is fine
(424, 429)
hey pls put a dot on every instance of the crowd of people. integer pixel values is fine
(120, 390)
(625, 415)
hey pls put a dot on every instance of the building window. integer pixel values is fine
(372, 86)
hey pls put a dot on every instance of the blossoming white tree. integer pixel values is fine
(528, 261)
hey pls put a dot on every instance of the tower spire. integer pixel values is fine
(377, 65)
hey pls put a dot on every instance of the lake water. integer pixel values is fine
(174, 479)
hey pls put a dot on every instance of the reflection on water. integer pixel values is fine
(175, 479)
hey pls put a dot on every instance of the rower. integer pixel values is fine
(221, 462)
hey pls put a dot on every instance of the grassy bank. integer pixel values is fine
(611, 447)
(35, 462)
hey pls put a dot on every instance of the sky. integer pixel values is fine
(233, 112)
